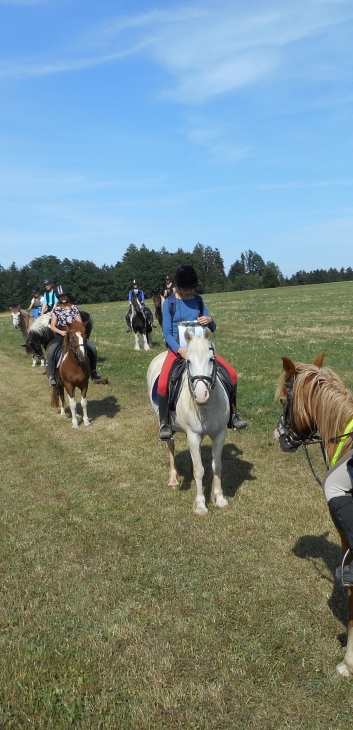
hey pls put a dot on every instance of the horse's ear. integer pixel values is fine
(187, 335)
(320, 359)
(288, 367)
(86, 322)
(208, 334)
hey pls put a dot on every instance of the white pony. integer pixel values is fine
(202, 409)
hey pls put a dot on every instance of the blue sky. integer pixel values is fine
(168, 123)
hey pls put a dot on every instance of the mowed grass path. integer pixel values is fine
(119, 609)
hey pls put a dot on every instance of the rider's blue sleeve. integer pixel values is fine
(168, 330)
(206, 313)
(130, 296)
(142, 295)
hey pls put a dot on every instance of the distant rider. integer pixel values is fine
(63, 314)
(169, 289)
(136, 291)
(36, 302)
(188, 307)
(49, 296)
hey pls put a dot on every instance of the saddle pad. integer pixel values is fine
(175, 381)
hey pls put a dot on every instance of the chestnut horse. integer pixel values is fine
(316, 401)
(74, 372)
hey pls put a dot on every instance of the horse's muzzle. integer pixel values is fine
(201, 393)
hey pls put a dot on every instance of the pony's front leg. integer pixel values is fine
(34, 361)
(173, 474)
(73, 408)
(345, 668)
(42, 363)
(145, 342)
(84, 408)
(137, 344)
(217, 446)
(194, 441)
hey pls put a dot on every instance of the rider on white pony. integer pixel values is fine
(188, 308)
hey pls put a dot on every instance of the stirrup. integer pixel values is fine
(52, 381)
(165, 433)
(238, 422)
(345, 573)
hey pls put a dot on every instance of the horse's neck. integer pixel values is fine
(25, 321)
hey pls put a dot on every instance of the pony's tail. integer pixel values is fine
(54, 402)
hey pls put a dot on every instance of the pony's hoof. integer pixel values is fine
(87, 423)
(174, 483)
(222, 503)
(136, 348)
(75, 425)
(343, 670)
(200, 510)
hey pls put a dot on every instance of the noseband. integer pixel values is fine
(208, 380)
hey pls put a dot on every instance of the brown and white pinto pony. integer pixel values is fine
(74, 372)
(320, 403)
(36, 332)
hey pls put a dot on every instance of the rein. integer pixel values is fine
(208, 380)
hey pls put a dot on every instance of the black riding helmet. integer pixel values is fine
(61, 291)
(36, 290)
(48, 281)
(186, 277)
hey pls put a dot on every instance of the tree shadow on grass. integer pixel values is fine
(314, 547)
(107, 407)
(235, 471)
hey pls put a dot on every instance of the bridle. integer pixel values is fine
(290, 435)
(74, 348)
(208, 380)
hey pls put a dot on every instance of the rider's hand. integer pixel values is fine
(204, 321)
(182, 352)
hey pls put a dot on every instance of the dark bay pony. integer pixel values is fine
(316, 402)
(141, 324)
(74, 372)
(158, 302)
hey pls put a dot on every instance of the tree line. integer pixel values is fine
(90, 283)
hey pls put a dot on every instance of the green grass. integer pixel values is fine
(119, 609)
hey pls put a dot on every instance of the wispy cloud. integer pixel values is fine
(209, 51)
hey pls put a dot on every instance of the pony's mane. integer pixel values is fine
(320, 397)
(41, 323)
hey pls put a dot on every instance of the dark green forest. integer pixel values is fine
(89, 283)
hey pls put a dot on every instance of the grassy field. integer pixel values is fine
(119, 609)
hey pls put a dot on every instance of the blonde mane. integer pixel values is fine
(321, 400)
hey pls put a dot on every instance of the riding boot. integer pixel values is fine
(236, 421)
(51, 362)
(92, 356)
(165, 432)
(341, 510)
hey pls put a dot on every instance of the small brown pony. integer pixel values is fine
(74, 372)
(315, 400)
(158, 302)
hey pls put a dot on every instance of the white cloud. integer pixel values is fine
(213, 50)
